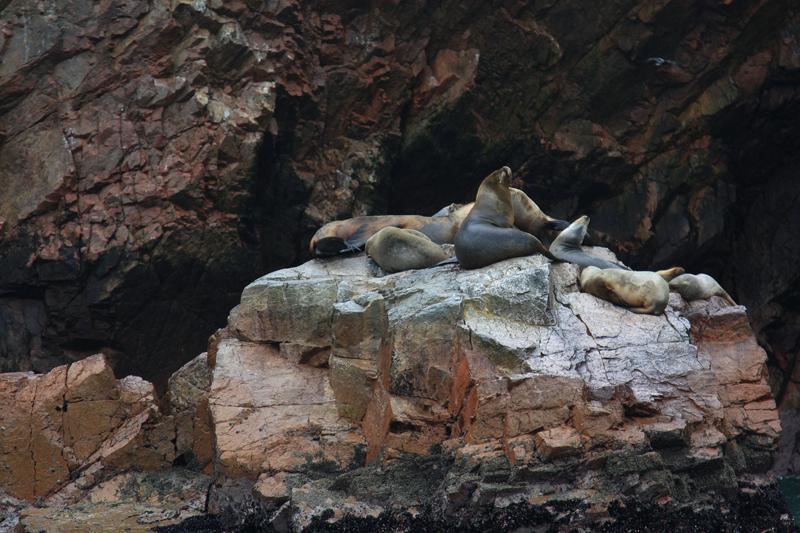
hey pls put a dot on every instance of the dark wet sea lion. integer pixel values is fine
(567, 247)
(642, 292)
(395, 250)
(699, 287)
(343, 236)
(488, 234)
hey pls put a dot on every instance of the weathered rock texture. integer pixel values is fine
(98, 453)
(336, 390)
(132, 502)
(73, 425)
(336, 393)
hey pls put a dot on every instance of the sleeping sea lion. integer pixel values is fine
(642, 292)
(567, 247)
(487, 234)
(699, 287)
(395, 250)
(344, 236)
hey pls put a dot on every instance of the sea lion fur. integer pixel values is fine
(699, 287)
(670, 273)
(641, 291)
(488, 234)
(395, 250)
(567, 247)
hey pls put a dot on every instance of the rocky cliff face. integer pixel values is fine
(155, 157)
(338, 393)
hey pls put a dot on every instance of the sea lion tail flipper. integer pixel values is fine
(449, 261)
(727, 297)
(557, 225)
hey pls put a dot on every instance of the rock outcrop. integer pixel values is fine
(339, 391)
(69, 427)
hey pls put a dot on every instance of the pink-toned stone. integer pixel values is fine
(77, 421)
(557, 442)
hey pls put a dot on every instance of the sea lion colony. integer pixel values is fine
(502, 223)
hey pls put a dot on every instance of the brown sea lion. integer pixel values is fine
(642, 292)
(343, 236)
(699, 287)
(395, 250)
(488, 234)
(567, 247)
(529, 217)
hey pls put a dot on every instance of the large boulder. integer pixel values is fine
(67, 429)
(503, 385)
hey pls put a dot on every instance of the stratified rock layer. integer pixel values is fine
(477, 389)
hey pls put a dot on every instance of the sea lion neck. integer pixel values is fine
(493, 204)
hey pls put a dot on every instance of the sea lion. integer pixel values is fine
(642, 292)
(699, 287)
(487, 234)
(395, 250)
(529, 217)
(567, 247)
(344, 236)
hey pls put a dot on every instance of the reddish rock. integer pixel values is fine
(78, 422)
(497, 382)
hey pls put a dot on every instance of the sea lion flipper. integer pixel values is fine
(449, 261)
(727, 297)
(353, 246)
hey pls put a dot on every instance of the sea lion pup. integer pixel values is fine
(396, 249)
(567, 247)
(699, 287)
(487, 234)
(642, 292)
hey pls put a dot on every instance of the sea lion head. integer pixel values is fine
(683, 282)
(588, 274)
(493, 201)
(501, 176)
(575, 232)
